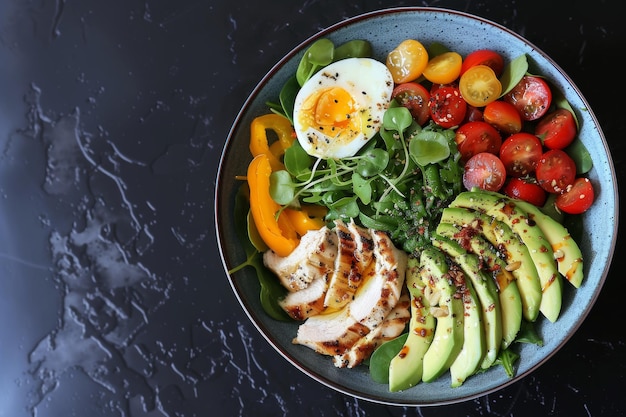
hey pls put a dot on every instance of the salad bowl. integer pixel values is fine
(463, 33)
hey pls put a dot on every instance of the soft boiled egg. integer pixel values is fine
(341, 107)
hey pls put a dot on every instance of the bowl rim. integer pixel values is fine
(257, 90)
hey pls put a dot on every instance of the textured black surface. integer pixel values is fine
(114, 301)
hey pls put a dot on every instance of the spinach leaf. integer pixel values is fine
(382, 356)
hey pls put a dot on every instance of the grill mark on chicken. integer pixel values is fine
(312, 258)
(392, 326)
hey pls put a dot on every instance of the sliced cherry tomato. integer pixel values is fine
(531, 97)
(447, 107)
(557, 129)
(407, 61)
(484, 170)
(414, 97)
(520, 153)
(555, 171)
(578, 198)
(484, 57)
(443, 68)
(525, 190)
(480, 86)
(475, 137)
(503, 116)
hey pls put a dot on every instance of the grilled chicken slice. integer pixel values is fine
(392, 326)
(314, 257)
(330, 334)
(335, 333)
(347, 274)
(307, 302)
(363, 250)
(379, 292)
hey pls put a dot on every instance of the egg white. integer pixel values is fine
(341, 107)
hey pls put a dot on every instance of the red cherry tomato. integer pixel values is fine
(578, 198)
(520, 153)
(484, 57)
(484, 170)
(525, 190)
(531, 97)
(476, 137)
(557, 129)
(555, 171)
(473, 114)
(414, 97)
(447, 107)
(503, 116)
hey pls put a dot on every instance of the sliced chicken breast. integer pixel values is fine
(392, 326)
(307, 302)
(314, 257)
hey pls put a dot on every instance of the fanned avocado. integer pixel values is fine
(507, 290)
(567, 252)
(509, 246)
(405, 369)
(448, 311)
(473, 351)
(487, 294)
(506, 210)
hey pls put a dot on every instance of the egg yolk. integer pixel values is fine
(333, 112)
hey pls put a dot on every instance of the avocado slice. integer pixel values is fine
(448, 311)
(487, 295)
(473, 350)
(505, 210)
(508, 292)
(515, 254)
(405, 369)
(568, 255)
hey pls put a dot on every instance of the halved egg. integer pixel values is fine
(341, 107)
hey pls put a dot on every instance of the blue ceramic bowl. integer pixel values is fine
(465, 33)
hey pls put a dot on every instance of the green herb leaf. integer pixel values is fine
(356, 48)
(282, 188)
(513, 73)
(319, 54)
(428, 147)
(381, 358)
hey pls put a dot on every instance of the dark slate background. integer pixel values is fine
(114, 301)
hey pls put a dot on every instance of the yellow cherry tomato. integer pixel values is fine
(444, 68)
(480, 86)
(407, 61)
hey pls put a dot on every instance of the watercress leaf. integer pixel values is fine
(361, 188)
(356, 48)
(378, 222)
(513, 73)
(373, 161)
(382, 356)
(397, 118)
(282, 187)
(428, 147)
(579, 153)
(346, 207)
(297, 161)
(390, 139)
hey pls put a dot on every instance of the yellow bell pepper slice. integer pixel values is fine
(308, 218)
(278, 233)
(259, 142)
